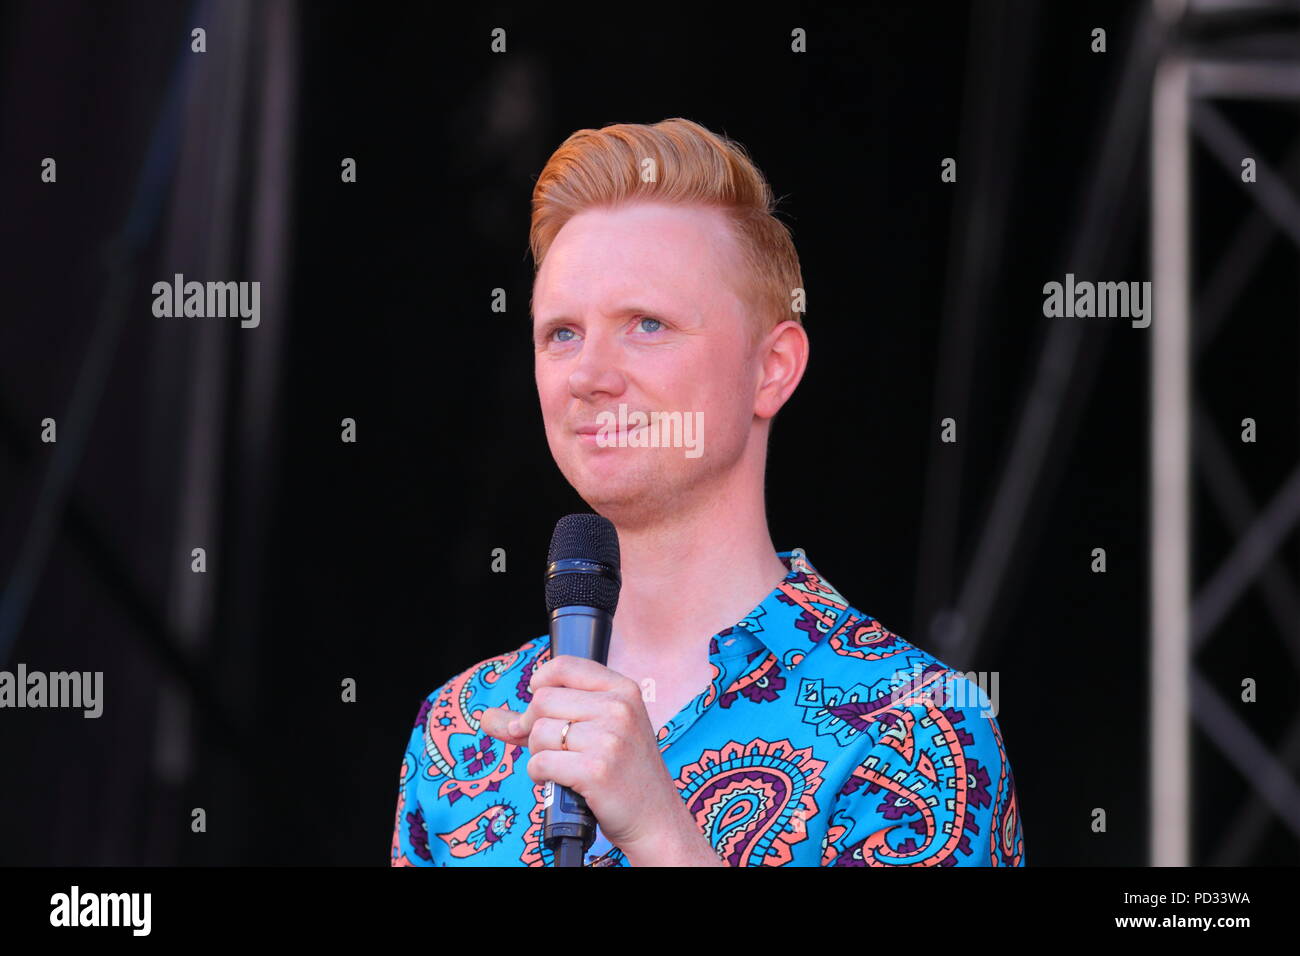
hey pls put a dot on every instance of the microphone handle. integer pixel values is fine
(568, 825)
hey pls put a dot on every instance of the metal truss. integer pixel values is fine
(1191, 79)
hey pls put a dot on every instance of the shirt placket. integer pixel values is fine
(732, 666)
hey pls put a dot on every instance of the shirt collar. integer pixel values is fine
(790, 621)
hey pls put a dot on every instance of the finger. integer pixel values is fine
(571, 768)
(548, 734)
(565, 670)
(565, 703)
(495, 722)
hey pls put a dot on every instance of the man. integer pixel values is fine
(748, 715)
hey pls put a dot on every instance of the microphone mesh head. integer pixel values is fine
(584, 537)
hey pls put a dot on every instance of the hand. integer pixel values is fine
(612, 759)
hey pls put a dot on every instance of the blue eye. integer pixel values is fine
(558, 331)
(646, 318)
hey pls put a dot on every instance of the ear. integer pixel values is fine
(782, 357)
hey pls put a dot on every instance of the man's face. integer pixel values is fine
(637, 306)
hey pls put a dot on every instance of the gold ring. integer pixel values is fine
(564, 736)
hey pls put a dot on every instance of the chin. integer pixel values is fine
(625, 496)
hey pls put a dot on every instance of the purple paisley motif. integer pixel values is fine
(521, 687)
(809, 624)
(769, 690)
(424, 712)
(419, 836)
(483, 755)
(955, 717)
(978, 785)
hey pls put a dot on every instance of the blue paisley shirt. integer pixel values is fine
(823, 739)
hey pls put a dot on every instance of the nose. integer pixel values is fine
(596, 370)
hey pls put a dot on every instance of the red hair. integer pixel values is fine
(693, 166)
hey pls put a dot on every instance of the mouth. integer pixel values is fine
(613, 436)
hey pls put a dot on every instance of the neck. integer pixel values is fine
(692, 574)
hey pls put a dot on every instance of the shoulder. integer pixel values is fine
(865, 679)
(932, 741)
(860, 649)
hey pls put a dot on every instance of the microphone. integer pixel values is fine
(582, 583)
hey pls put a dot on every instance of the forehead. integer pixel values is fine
(672, 257)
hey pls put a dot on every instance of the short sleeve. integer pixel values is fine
(935, 789)
(410, 846)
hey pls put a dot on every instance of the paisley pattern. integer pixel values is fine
(822, 739)
(753, 800)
